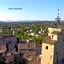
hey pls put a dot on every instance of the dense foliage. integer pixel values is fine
(22, 30)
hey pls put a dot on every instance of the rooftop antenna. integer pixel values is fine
(58, 13)
(57, 23)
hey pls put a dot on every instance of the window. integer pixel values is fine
(46, 47)
(52, 36)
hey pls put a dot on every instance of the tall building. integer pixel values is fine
(48, 47)
(53, 45)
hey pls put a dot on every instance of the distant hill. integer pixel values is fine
(27, 22)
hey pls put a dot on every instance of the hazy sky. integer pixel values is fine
(31, 9)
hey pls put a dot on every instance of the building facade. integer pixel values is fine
(52, 47)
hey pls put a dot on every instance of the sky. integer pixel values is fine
(31, 9)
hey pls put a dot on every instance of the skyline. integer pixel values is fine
(31, 9)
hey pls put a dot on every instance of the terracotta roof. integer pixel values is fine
(48, 40)
(55, 32)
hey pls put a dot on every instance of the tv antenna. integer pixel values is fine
(59, 12)
(57, 19)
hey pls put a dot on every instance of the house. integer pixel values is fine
(52, 47)
(10, 38)
(26, 46)
(23, 47)
(10, 41)
(48, 46)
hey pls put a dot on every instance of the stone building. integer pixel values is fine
(49, 46)
(53, 45)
